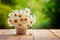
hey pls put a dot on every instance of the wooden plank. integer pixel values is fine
(11, 35)
(25, 37)
(2, 36)
(19, 37)
(37, 34)
(10, 32)
(2, 31)
(43, 35)
(56, 32)
(5, 33)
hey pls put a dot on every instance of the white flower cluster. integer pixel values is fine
(21, 18)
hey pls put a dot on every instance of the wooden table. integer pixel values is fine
(37, 34)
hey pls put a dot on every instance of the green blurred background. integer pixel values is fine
(47, 12)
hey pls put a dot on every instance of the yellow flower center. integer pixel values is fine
(15, 15)
(20, 15)
(9, 20)
(20, 25)
(27, 25)
(21, 19)
(25, 19)
(26, 11)
(30, 22)
(15, 21)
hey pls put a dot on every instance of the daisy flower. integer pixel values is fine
(21, 18)
(27, 11)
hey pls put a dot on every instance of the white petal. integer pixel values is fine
(16, 11)
(10, 14)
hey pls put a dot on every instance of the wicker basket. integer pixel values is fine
(21, 30)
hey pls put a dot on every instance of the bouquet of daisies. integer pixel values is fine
(21, 18)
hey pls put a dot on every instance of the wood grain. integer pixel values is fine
(43, 34)
(37, 34)
(56, 32)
